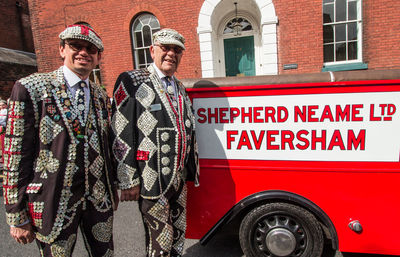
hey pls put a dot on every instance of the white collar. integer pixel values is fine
(159, 72)
(71, 78)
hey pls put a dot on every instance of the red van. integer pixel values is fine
(297, 163)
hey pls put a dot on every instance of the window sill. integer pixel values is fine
(343, 67)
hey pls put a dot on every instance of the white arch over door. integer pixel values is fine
(268, 52)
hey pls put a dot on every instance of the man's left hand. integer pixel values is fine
(23, 234)
(116, 200)
(131, 194)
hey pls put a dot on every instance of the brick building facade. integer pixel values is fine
(281, 36)
(15, 26)
(17, 58)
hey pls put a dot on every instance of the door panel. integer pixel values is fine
(239, 56)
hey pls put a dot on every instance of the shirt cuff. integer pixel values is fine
(20, 225)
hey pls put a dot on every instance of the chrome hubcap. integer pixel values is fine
(280, 242)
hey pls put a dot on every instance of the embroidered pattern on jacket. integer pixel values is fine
(48, 130)
(46, 163)
(99, 196)
(165, 164)
(33, 188)
(125, 173)
(147, 146)
(149, 176)
(119, 123)
(36, 213)
(139, 77)
(12, 152)
(94, 142)
(146, 124)
(120, 95)
(17, 218)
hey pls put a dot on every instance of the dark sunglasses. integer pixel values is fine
(90, 48)
(167, 48)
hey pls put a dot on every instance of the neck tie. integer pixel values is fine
(171, 91)
(80, 101)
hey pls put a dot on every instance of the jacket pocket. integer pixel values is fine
(34, 188)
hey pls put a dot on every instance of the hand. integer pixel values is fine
(131, 194)
(116, 200)
(23, 234)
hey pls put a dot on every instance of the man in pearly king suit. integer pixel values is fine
(155, 144)
(57, 156)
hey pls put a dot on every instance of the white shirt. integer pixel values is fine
(72, 80)
(164, 80)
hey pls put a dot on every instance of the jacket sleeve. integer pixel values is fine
(192, 165)
(124, 132)
(108, 143)
(19, 154)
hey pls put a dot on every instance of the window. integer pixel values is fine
(342, 31)
(142, 30)
(95, 75)
(237, 25)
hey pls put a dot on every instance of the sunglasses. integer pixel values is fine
(90, 48)
(167, 48)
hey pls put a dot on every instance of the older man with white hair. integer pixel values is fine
(155, 144)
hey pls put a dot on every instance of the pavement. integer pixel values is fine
(129, 239)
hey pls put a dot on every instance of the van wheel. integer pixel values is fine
(280, 229)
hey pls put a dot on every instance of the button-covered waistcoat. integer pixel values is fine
(154, 141)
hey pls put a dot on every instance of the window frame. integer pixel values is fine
(334, 42)
(95, 75)
(232, 33)
(135, 49)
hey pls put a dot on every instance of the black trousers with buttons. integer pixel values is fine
(164, 222)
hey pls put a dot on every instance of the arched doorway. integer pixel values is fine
(238, 41)
(213, 18)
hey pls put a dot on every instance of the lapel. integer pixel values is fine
(64, 103)
(173, 114)
(96, 107)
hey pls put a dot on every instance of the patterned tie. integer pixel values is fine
(171, 91)
(80, 101)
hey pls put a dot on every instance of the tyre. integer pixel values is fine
(280, 229)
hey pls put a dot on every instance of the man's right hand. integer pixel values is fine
(23, 234)
(131, 194)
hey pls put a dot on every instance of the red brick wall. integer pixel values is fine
(9, 73)
(15, 27)
(6, 87)
(381, 34)
(112, 20)
(299, 35)
(299, 32)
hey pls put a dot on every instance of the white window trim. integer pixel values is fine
(268, 34)
(359, 35)
(220, 71)
(133, 36)
(96, 71)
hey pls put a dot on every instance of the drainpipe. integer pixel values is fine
(21, 25)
